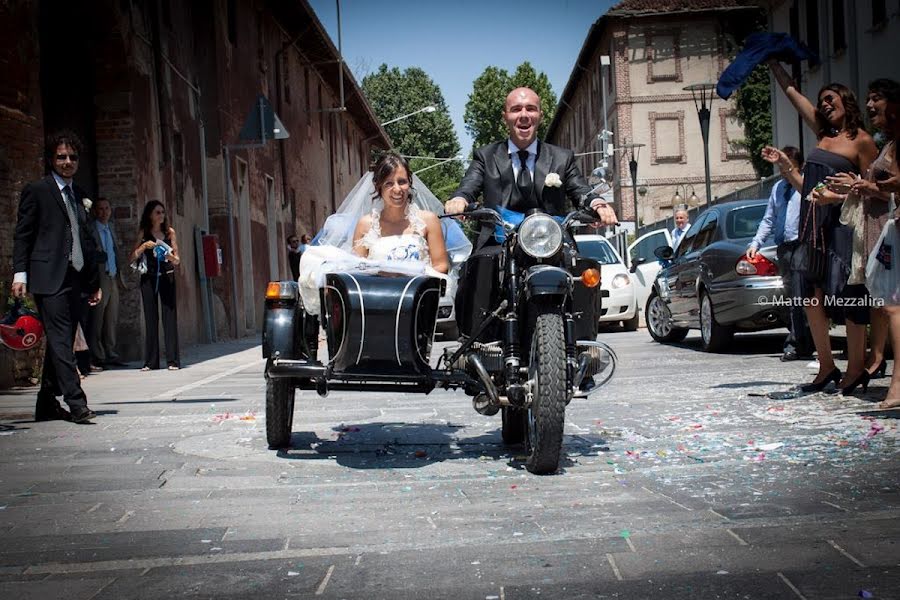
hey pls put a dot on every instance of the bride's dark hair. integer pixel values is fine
(386, 165)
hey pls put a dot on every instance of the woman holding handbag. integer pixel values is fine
(824, 252)
(159, 247)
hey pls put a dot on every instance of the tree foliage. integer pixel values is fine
(484, 109)
(394, 93)
(754, 110)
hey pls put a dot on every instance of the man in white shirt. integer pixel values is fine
(681, 226)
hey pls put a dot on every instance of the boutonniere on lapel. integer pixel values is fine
(86, 202)
(552, 180)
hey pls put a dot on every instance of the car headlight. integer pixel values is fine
(540, 236)
(620, 281)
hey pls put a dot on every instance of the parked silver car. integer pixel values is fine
(708, 283)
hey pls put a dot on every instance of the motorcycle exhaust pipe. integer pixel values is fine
(489, 387)
(593, 358)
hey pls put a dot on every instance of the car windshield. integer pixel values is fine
(742, 222)
(599, 250)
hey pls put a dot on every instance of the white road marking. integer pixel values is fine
(612, 563)
(667, 498)
(718, 515)
(630, 544)
(430, 522)
(788, 583)
(739, 539)
(841, 508)
(324, 583)
(847, 554)
(174, 392)
(358, 558)
(94, 507)
(128, 514)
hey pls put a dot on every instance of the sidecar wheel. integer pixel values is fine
(515, 423)
(547, 414)
(279, 412)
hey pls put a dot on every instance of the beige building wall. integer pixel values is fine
(652, 59)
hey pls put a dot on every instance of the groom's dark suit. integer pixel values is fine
(42, 245)
(491, 176)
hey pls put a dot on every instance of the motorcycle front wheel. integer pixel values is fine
(547, 413)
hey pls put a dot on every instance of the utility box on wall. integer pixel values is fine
(212, 255)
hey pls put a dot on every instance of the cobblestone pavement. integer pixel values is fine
(689, 476)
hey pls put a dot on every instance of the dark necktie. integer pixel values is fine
(523, 181)
(77, 257)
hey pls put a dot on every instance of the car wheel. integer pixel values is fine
(659, 321)
(632, 323)
(715, 337)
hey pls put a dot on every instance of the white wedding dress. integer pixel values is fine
(405, 254)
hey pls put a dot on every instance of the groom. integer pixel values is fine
(522, 173)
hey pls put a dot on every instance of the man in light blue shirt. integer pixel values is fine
(682, 223)
(105, 315)
(780, 225)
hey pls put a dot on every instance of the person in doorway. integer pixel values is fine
(105, 316)
(294, 253)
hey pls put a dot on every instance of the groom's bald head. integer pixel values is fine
(522, 113)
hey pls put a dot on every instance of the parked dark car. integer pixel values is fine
(708, 283)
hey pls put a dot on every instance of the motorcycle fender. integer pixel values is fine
(547, 281)
(281, 330)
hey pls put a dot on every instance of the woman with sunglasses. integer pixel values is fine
(159, 246)
(843, 146)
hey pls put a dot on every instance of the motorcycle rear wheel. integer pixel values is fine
(547, 414)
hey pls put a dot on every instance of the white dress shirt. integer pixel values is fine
(514, 156)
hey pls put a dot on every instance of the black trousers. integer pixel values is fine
(60, 314)
(799, 338)
(153, 300)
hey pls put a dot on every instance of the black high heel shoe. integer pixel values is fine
(834, 376)
(880, 370)
(862, 380)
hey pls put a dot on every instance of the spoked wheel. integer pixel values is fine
(279, 411)
(547, 413)
(659, 321)
(514, 425)
(715, 337)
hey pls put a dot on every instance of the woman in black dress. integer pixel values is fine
(843, 147)
(158, 244)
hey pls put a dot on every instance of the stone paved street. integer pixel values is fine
(689, 476)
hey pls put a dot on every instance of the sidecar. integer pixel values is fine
(379, 331)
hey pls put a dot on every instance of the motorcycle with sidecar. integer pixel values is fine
(526, 309)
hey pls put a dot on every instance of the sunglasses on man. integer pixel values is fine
(62, 157)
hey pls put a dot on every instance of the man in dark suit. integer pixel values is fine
(54, 256)
(550, 180)
(294, 253)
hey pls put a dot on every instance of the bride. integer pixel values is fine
(383, 226)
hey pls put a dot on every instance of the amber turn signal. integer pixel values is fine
(590, 278)
(279, 290)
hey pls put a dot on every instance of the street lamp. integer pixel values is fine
(678, 200)
(427, 109)
(633, 166)
(702, 93)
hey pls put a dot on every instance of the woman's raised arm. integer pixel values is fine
(806, 108)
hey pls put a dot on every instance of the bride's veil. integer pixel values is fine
(339, 227)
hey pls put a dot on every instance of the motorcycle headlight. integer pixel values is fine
(620, 281)
(540, 236)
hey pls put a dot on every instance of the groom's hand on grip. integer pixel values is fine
(604, 211)
(456, 205)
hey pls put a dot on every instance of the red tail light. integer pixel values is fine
(758, 265)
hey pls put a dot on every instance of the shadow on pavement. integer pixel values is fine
(397, 445)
